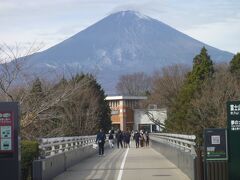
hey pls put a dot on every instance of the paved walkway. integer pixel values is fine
(125, 164)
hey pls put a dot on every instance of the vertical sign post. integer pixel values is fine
(9, 144)
(233, 120)
(215, 144)
(215, 148)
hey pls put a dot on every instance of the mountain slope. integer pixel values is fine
(124, 42)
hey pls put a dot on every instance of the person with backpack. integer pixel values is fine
(111, 139)
(136, 138)
(101, 137)
(119, 138)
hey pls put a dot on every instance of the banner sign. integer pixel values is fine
(10, 159)
(215, 144)
(233, 121)
(6, 132)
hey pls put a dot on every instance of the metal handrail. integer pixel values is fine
(52, 146)
(181, 141)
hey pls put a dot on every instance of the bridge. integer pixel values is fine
(169, 157)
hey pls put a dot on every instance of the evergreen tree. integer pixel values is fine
(202, 68)
(235, 65)
(104, 116)
(37, 87)
(177, 115)
(91, 89)
(36, 92)
(80, 77)
(61, 84)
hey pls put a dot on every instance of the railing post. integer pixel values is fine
(60, 148)
(52, 150)
(193, 152)
(66, 147)
(71, 145)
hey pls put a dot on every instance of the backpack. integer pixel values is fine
(110, 136)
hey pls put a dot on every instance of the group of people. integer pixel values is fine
(122, 138)
(141, 138)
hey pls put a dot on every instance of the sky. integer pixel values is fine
(48, 22)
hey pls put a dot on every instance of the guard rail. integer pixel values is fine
(52, 146)
(183, 142)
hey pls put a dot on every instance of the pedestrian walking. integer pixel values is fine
(119, 138)
(101, 137)
(124, 139)
(147, 139)
(111, 139)
(141, 138)
(132, 134)
(144, 139)
(136, 138)
(127, 139)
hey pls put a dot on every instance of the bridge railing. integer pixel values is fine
(60, 153)
(183, 142)
(177, 148)
(52, 146)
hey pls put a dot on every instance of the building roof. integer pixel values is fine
(108, 98)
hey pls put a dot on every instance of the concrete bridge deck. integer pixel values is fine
(125, 164)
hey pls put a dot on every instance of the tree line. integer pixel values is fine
(194, 97)
(65, 107)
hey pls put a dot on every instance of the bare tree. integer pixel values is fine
(134, 84)
(69, 108)
(166, 85)
(11, 63)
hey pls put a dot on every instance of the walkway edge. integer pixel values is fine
(122, 165)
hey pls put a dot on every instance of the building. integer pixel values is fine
(122, 110)
(127, 115)
(142, 120)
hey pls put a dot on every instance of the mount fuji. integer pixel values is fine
(122, 43)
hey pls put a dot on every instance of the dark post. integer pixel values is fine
(9, 141)
(199, 170)
(233, 120)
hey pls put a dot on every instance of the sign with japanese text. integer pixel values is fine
(215, 143)
(10, 159)
(6, 132)
(233, 121)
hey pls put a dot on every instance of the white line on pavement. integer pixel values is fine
(122, 165)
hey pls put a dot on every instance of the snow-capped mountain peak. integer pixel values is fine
(124, 42)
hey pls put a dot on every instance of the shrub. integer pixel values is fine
(29, 152)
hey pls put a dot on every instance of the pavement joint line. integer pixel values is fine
(117, 169)
(122, 165)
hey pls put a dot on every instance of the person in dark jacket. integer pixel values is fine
(127, 139)
(137, 138)
(119, 138)
(124, 139)
(101, 137)
(111, 139)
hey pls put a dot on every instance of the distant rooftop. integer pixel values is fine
(126, 98)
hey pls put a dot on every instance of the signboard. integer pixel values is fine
(9, 141)
(233, 121)
(6, 132)
(215, 144)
